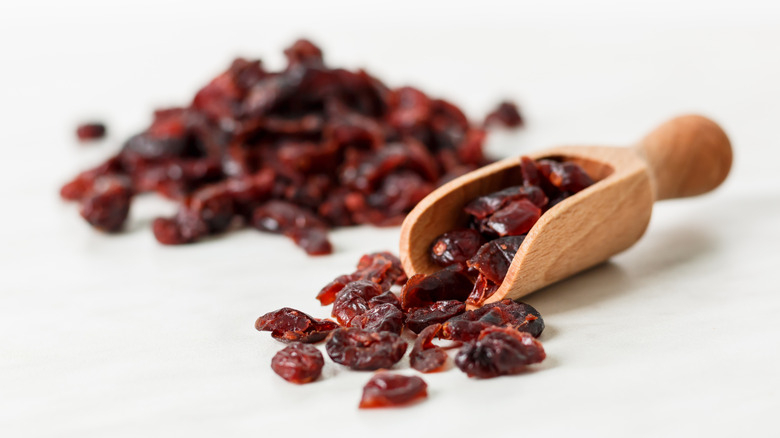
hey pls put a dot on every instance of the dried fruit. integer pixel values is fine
(363, 350)
(290, 325)
(106, 205)
(298, 363)
(437, 312)
(506, 115)
(335, 147)
(90, 131)
(353, 299)
(382, 318)
(388, 390)
(493, 258)
(422, 290)
(425, 356)
(456, 247)
(499, 351)
(467, 326)
(381, 268)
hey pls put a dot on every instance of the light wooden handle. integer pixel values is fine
(687, 156)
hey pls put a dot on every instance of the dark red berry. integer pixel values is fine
(90, 131)
(298, 363)
(388, 390)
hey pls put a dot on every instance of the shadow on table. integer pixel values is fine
(666, 253)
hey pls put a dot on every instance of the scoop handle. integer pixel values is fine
(687, 156)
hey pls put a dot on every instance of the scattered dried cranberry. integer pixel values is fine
(289, 325)
(493, 258)
(107, 204)
(515, 219)
(353, 299)
(438, 312)
(90, 131)
(385, 298)
(382, 268)
(330, 147)
(467, 326)
(425, 356)
(382, 318)
(422, 290)
(456, 246)
(363, 350)
(298, 363)
(388, 390)
(506, 115)
(499, 351)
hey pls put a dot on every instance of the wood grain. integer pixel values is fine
(686, 156)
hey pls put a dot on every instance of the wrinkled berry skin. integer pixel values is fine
(426, 357)
(435, 313)
(106, 207)
(382, 318)
(382, 268)
(499, 351)
(467, 326)
(363, 350)
(298, 363)
(353, 299)
(388, 390)
(290, 325)
(456, 246)
(422, 290)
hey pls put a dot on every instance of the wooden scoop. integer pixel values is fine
(685, 156)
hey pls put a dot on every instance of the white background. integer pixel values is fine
(112, 336)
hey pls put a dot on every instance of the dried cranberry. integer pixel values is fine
(363, 350)
(388, 390)
(483, 289)
(108, 203)
(298, 363)
(456, 246)
(90, 131)
(289, 325)
(352, 300)
(485, 206)
(467, 326)
(336, 144)
(438, 312)
(382, 318)
(422, 290)
(493, 258)
(381, 268)
(385, 298)
(567, 176)
(506, 114)
(515, 219)
(499, 351)
(425, 356)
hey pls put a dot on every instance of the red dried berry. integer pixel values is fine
(438, 312)
(381, 268)
(362, 350)
(381, 318)
(290, 325)
(493, 258)
(467, 326)
(389, 390)
(425, 356)
(90, 131)
(506, 115)
(298, 363)
(499, 351)
(422, 290)
(456, 247)
(107, 205)
(353, 299)
(335, 144)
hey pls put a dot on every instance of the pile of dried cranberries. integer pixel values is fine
(495, 339)
(295, 152)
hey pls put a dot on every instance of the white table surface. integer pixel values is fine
(113, 336)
